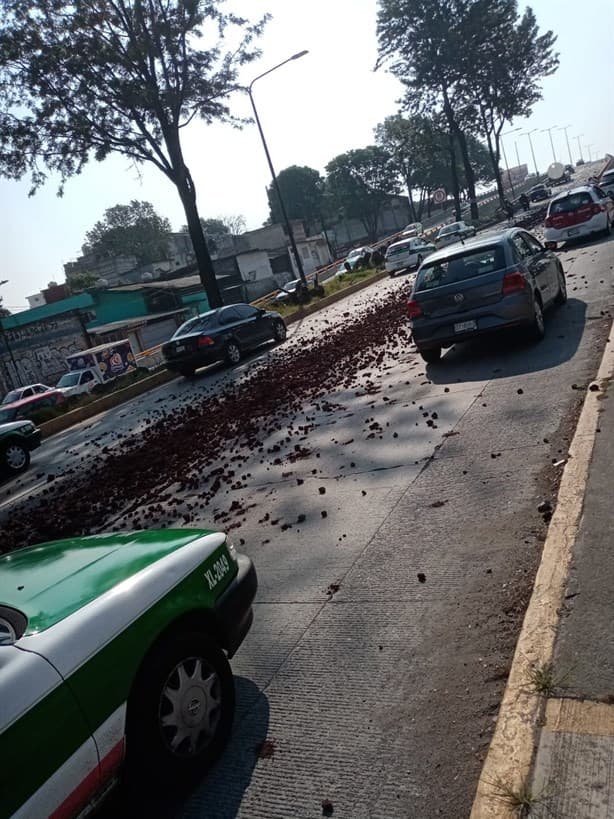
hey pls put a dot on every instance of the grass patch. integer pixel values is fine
(544, 679)
(521, 801)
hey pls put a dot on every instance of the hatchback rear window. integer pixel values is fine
(395, 250)
(460, 267)
(570, 203)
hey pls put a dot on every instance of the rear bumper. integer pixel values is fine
(195, 360)
(594, 225)
(512, 311)
(233, 609)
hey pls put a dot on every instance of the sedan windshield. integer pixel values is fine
(460, 267)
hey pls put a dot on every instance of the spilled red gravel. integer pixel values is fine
(201, 447)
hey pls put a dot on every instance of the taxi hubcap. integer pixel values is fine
(190, 707)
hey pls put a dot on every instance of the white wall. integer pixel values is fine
(254, 266)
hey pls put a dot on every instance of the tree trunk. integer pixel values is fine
(454, 128)
(495, 166)
(454, 176)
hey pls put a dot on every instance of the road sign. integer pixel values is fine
(439, 196)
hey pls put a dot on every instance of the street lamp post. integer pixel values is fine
(590, 151)
(517, 154)
(550, 130)
(299, 263)
(566, 128)
(509, 176)
(579, 146)
(528, 133)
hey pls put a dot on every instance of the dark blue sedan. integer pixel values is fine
(499, 280)
(221, 335)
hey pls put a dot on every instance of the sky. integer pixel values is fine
(311, 110)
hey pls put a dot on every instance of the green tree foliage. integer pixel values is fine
(79, 281)
(302, 189)
(362, 181)
(130, 230)
(82, 80)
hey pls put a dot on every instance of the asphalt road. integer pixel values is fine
(383, 630)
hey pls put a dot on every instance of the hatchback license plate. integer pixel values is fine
(573, 232)
(463, 326)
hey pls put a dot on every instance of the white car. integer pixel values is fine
(78, 382)
(607, 182)
(454, 232)
(353, 259)
(407, 253)
(25, 392)
(576, 213)
(411, 230)
(288, 290)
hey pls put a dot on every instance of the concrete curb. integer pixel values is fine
(511, 754)
(107, 402)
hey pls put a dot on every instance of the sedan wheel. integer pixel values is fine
(232, 353)
(181, 709)
(537, 329)
(561, 296)
(279, 330)
(15, 458)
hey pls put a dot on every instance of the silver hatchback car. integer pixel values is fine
(501, 280)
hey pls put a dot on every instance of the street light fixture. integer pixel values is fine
(579, 146)
(288, 226)
(528, 133)
(509, 176)
(550, 130)
(566, 128)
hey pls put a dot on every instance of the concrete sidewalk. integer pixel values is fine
(574, 769)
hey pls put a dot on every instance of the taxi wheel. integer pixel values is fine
(181, 709)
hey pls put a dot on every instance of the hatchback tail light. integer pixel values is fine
(597, 209)
(514, 282)
(548, 221)
(413, 309)
(205, 341)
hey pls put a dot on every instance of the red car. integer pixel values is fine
(29, 408)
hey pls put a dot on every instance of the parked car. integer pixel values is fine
(221, 335)
(24, 392)
(501, 280)
(79, 382)
(607, 182)
(354, 259)
(288, 291)
(407, 253)
(411, 230)
(114, 653)
(539, 192)
(31, 408)
(579, 162)
(17, 440)
(454, 232)
(579, 212)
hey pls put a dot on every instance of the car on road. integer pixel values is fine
(494, 282)
(454, 232)
(24, 392)
(577, 213)
(356, 257)
(17, 440)
(412, 230)
(224, 334)
(114, 653)
(539, 192)
(407, 253)
(288, 291)
(606, 183)
(32, 408)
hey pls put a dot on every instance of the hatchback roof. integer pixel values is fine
(579, 189)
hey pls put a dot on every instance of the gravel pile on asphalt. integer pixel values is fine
(201, 447)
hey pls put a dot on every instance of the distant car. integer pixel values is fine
(413, 229)
(500, 280)
(17, 440)
(579, 162)
(539, 192)
(288, 290)
(24, 392)
(407, 253)
(607, 182)
(576, 213)
(221, 335)
(31, 408)
(114, 648)
(354, 258)
(454, 232)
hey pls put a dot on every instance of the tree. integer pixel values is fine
(4, 311)
(79, 281)
(84, 80)
(130, 230)
(508, 77)
(362, 181)
(225, 225)
(302, 190)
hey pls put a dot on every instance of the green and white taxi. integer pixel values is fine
(114, 656)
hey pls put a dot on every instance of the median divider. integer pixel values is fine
(104, 403)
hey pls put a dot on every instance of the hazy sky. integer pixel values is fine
(311, 110)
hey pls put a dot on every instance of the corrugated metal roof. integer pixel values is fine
(78, 302)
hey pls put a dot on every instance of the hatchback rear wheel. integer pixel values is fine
(431, 356)
(537, 329)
